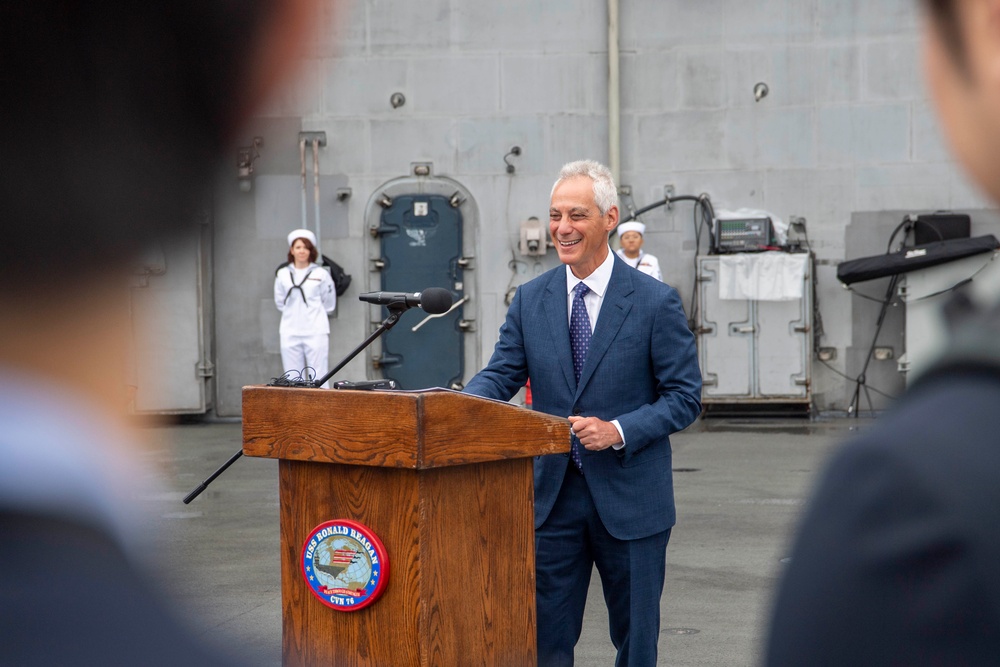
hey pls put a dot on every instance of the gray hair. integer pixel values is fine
(605, 192)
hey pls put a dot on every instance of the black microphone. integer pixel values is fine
(433, 300)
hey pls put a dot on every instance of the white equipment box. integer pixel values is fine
(754, 353)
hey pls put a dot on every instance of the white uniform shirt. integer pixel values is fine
(308, 316)
(645, 262)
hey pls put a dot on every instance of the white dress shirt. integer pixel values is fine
(593, 300)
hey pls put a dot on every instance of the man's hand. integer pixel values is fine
(593, 433)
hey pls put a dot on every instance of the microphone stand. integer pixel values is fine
(396, 310)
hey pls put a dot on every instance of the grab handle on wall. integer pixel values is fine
(431, 317)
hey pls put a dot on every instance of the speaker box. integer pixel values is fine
(941, 227)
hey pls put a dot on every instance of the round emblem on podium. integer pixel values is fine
(345, 565)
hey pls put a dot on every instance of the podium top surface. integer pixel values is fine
(396, 429)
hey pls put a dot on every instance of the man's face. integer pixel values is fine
(579, 230)
(631, 242)
(967, 94)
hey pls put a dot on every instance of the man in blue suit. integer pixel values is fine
(609, 348)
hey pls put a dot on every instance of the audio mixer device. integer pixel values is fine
(743, 235)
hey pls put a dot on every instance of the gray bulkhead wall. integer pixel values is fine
(845, 129)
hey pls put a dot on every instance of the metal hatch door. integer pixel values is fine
(421, 245)
(168, 360)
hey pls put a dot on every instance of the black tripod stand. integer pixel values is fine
(861, 381)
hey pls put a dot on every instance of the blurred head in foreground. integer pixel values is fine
(114, 115)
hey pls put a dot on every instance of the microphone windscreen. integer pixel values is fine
(435, 300)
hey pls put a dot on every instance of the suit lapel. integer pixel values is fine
(558, 318)
(615, 308)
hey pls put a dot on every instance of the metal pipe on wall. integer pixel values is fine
(302, 164)
(315, 147)
(614, 93)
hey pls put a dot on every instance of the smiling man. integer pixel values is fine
(608, 348)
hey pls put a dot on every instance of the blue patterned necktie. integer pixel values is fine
(579, 337)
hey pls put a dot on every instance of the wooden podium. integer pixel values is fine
(445, 480)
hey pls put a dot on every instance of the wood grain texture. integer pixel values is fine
(477, 555)
(386, 501)
(460, 547)
(417, 430)
(459, 429)
(355, 427)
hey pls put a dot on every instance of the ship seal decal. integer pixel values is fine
(345, 565)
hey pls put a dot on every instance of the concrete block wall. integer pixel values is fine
(845, 128)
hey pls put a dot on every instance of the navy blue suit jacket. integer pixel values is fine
(895, 561)
(641, 369)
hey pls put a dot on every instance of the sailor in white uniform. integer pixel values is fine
(304, 293)
(631, 236)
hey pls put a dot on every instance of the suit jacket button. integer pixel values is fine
(577, 411)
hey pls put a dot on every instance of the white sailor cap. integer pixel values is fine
(301, 234)
(631, 227)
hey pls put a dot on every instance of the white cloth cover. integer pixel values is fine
(765, 276)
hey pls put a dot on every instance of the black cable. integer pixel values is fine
(703, 204)
(863, 295)
(295, 379)
(664, 202)
(512, 265)
(910, 222)
(907, 222)
(693, 309)
(818, 330)
(708, 217)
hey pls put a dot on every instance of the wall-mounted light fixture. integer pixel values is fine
(245, 157)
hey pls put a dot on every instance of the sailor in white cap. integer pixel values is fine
(304, 293)
(631, 236)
